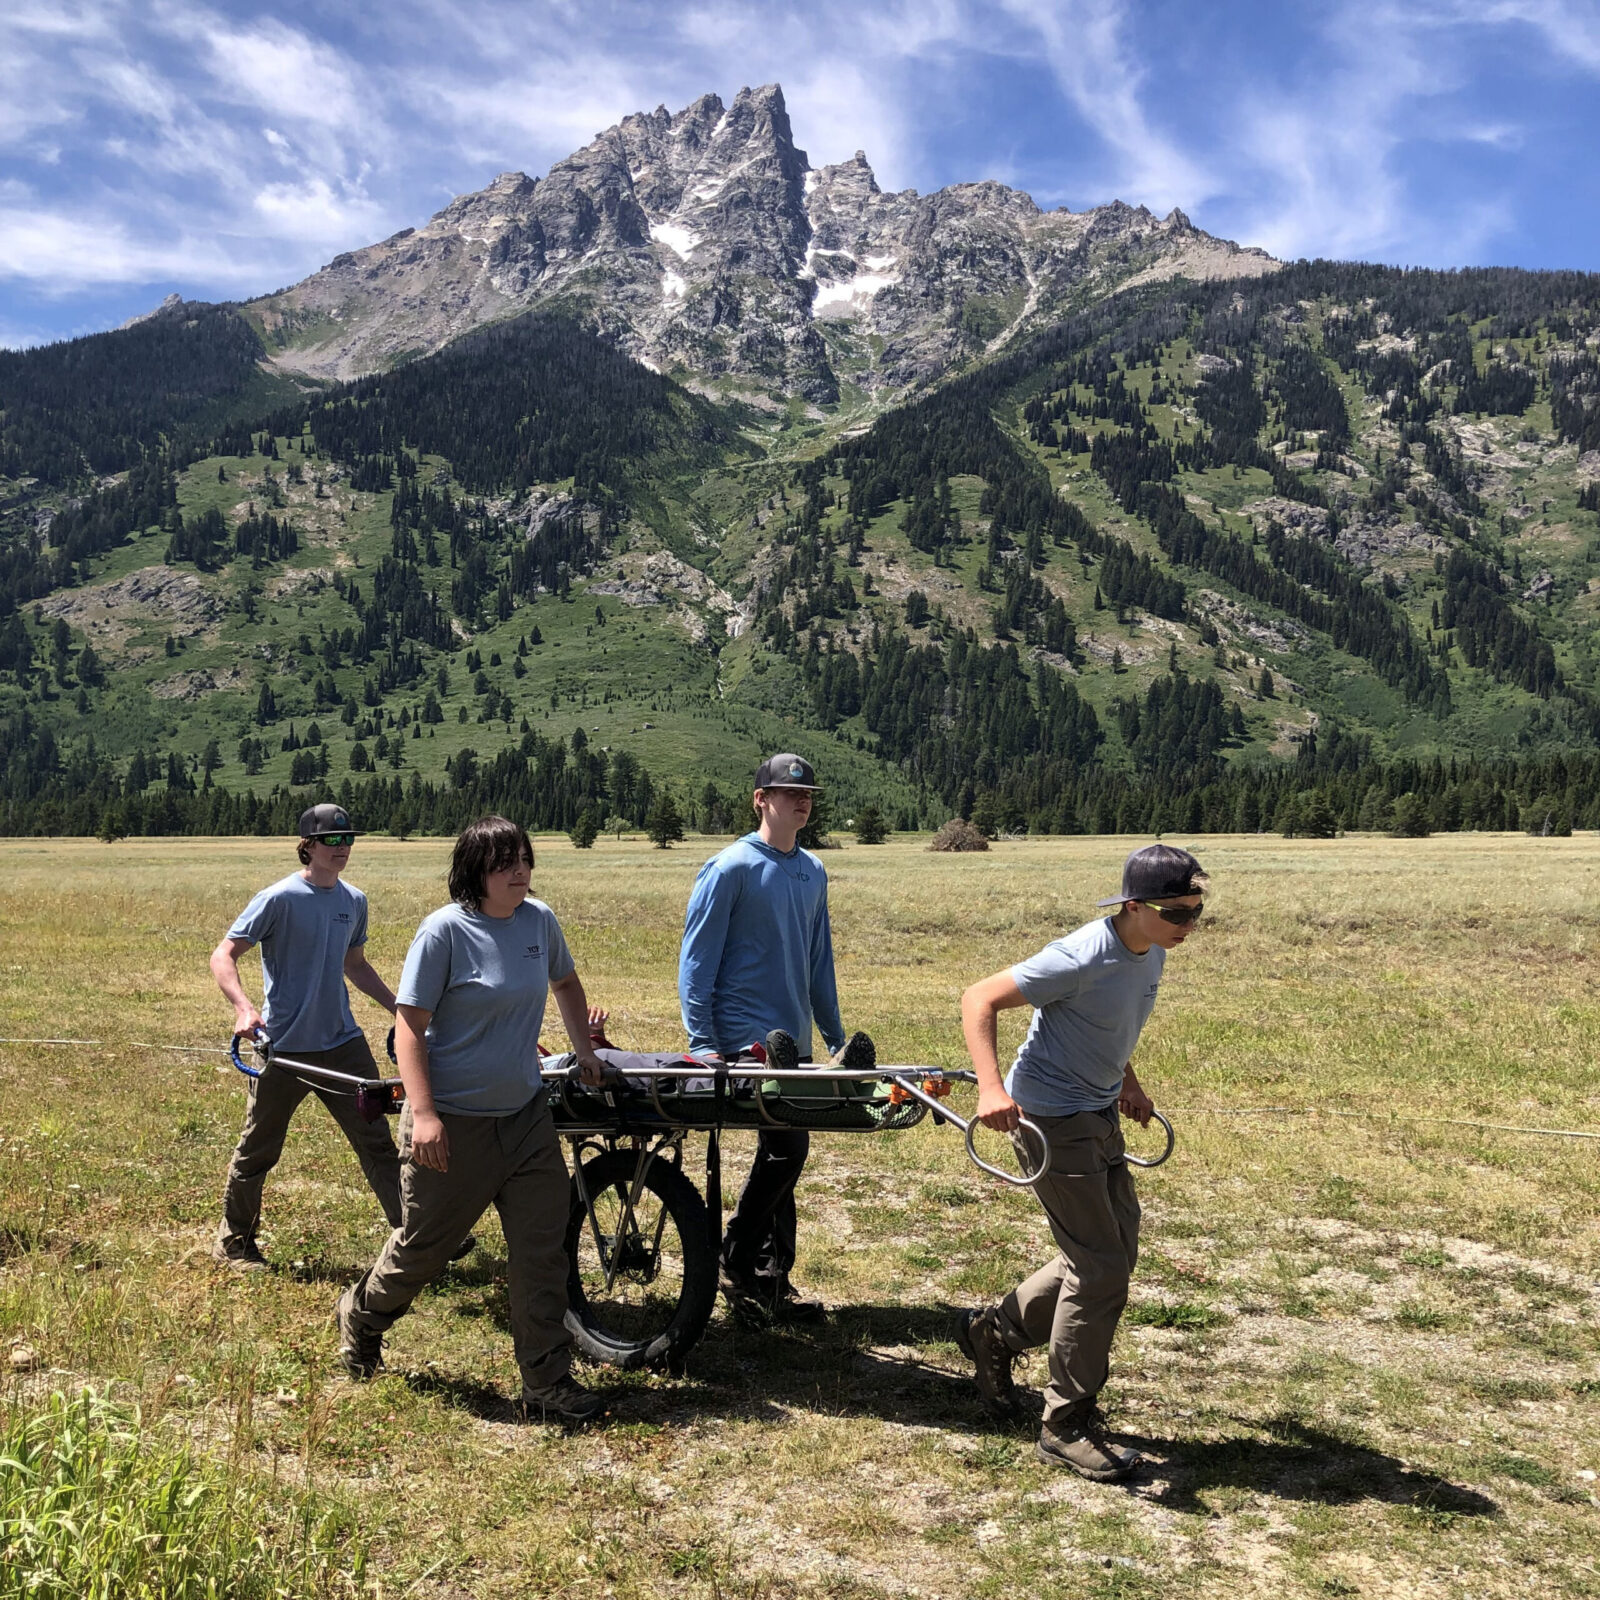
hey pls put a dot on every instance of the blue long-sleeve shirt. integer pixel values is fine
(758, 950)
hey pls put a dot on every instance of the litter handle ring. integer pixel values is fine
(1155, 1161)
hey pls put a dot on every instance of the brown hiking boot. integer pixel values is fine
(982, 1343)
(1077, 1439)
(360, 1349)
(243, 1256)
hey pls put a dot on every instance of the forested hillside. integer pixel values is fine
(1307, 551)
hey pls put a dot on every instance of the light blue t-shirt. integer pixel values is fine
(304, 933)
(485, 979)
(1093, 997)
(758, 950)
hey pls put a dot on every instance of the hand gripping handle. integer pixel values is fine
(1026, 1180)
(1155, 1161)
(917, 1092)
(263, 1049)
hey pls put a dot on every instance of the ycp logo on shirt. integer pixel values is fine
(533, 951)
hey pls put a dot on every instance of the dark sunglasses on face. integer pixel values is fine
(336, 841)
(1178, 916)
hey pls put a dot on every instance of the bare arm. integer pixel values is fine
(981, 1005)
(364, 976)
(225, 969)
(574, 1007)
(1133, 1101)
(430, 1145)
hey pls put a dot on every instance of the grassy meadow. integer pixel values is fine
(1363, 1355)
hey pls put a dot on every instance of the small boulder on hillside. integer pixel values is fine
(958, 835)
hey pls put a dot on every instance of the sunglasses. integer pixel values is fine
(335, 841)
(1178, 916)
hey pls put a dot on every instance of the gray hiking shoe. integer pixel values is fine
(1077, 1439)
(782, 1052)
(360, 1349)
(566, 1400)
(857, 1054)
(982, 1343)
(245, 1257)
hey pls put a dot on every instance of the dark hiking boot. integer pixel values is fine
(782, 1052)
(465, 1248)
(790, 1306)
(1077, 1439)
(565, 1401)
(857, 1054)
(982, 1343)
(749, 1302)
(242, 1257)
(360, 1349)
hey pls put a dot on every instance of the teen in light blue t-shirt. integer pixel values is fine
(304, 930)
(485, 979)
(1092, 994)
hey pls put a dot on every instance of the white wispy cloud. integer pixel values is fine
(224, 149)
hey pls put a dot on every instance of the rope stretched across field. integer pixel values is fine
(1373, 1116)
(1186, 1111)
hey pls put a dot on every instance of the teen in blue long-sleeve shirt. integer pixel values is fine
(758, 951)
(757, 955)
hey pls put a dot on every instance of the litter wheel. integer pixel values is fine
(643, 1280)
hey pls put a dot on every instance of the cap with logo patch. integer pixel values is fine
(326, 818)
(786, 771)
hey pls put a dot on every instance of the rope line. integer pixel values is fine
(1396, 1116)
(1185, 1111)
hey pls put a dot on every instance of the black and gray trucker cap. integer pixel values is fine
(1157, 872)
(786, 771)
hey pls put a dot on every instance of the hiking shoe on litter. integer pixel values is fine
(782, 1052)
(857, 1054)
(245, 1257)
(360, 1349)
(465, 1248)
(982, 1343)
(565, 1400)
(1077, 1439)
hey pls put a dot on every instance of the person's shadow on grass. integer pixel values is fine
(1294, 1462)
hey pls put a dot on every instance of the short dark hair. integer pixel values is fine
(491, 844)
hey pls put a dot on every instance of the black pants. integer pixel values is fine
(760, 1241)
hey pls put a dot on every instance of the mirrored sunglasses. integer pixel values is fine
(336, 841)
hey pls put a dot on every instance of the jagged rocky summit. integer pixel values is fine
(705, 242)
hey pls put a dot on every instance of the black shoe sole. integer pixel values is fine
(782, 1052)
(858, 1054)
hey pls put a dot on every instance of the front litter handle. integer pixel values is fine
(263, 1048)
(1154, 1161)
(970, 1129)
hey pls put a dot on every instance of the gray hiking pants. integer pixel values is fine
(513, 1163)
(274, 1098)
(1074, 1303)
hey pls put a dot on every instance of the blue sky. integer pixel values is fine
(223, 151)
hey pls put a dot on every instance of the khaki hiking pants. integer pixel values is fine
(513, 1163)
(274, 1098)
(1075, 1302)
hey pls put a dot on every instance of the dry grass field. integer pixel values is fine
(1363, 1355)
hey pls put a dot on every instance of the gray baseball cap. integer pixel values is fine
(1157, 872)
(786, 771)
(326, 818)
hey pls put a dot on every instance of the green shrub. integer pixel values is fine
(94, 1508)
